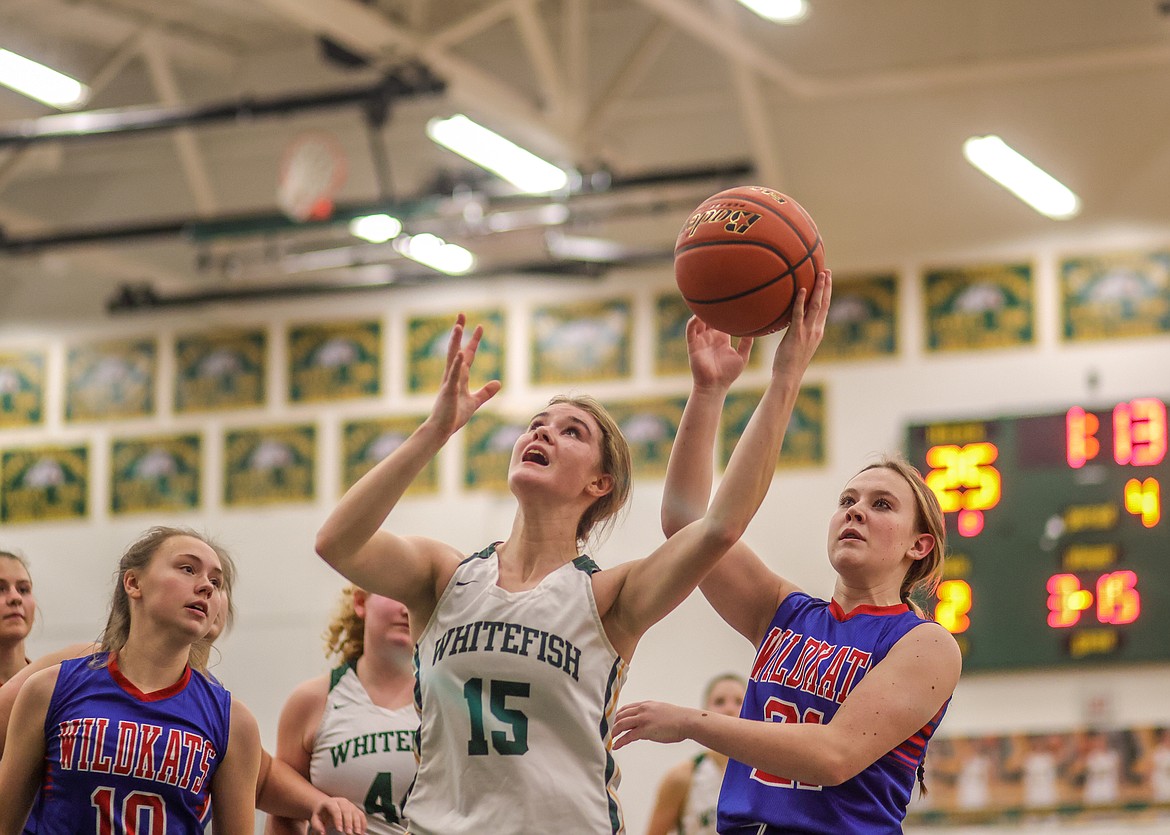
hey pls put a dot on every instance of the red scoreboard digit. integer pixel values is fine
(1059, 554)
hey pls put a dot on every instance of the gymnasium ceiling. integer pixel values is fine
(859, 112)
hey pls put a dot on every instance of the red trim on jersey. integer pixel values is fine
(865, 609)
(157, 695)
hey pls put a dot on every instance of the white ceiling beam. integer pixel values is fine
(125, 52)
(709, 30)
(1001, 70)
(636, 68)
(472, 25)
(12, 163)
(365, 30)
(753, 108)
(540, 52)
(183, 45)
(575, 47)
(190, 157)
(705, 28)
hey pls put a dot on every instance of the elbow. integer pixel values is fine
(676, 515)
(718, 539)
(328, 548)
(837, 767)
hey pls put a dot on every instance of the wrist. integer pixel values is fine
(714, 392)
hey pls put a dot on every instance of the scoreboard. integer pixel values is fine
(1058, 541)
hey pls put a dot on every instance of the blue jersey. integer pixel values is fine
(122, 762)
(812, 656)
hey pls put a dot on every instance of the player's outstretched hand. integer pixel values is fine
(714, 362)
(655, 721)
(456, 403)
(336, 814)
(810, 311)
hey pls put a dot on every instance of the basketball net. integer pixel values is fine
(313, 169)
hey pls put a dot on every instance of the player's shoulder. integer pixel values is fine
(39, 686)
(309, 696)
(933, 643)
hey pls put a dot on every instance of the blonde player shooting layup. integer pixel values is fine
(522, 648)
(845, 693)
(351, 732)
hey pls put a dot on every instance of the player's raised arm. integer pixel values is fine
(351, 539)
(655, 586)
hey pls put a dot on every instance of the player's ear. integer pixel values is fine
(601, 486)
(923, 545)
(360, 596)
(131, 583)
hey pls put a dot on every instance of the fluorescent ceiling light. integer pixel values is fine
(432, 251)
(1021, 177)
(778, 11)
(501, 156)
(376, 229)
(39, 82)
(580, 248)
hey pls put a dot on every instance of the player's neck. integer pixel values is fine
(12, 660)
(536, 548)
(152, 664)
(387, 680)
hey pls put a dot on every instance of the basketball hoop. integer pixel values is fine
(313, 169)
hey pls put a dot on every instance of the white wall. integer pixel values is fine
(285, 592)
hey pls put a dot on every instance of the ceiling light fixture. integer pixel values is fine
(432, 251)
(1022, 177)
(39, 82)
(376, 229)
(778, 11)
(501, 156)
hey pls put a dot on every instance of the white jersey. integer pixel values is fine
(699, 813)
(516, 691)
(1041, 780)
(1102, 777)
(1160, 775)
(364, 752)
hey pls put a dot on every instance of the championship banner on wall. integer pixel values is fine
(804, 439)
(40, 484)
(155, 473)
(649, 426)
(979, 308)
(270, 465)
(587, 341)
(426, 349)
(335, 361)
(863, 319)
(1115, 296)
(1048, 780)
(671, 315)
(109, 380)
(22, 388)
(366, 442)
(220, 370)
(489, 438)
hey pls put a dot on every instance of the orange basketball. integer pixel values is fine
(742, 255)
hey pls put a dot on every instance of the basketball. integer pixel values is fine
(741, 257)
